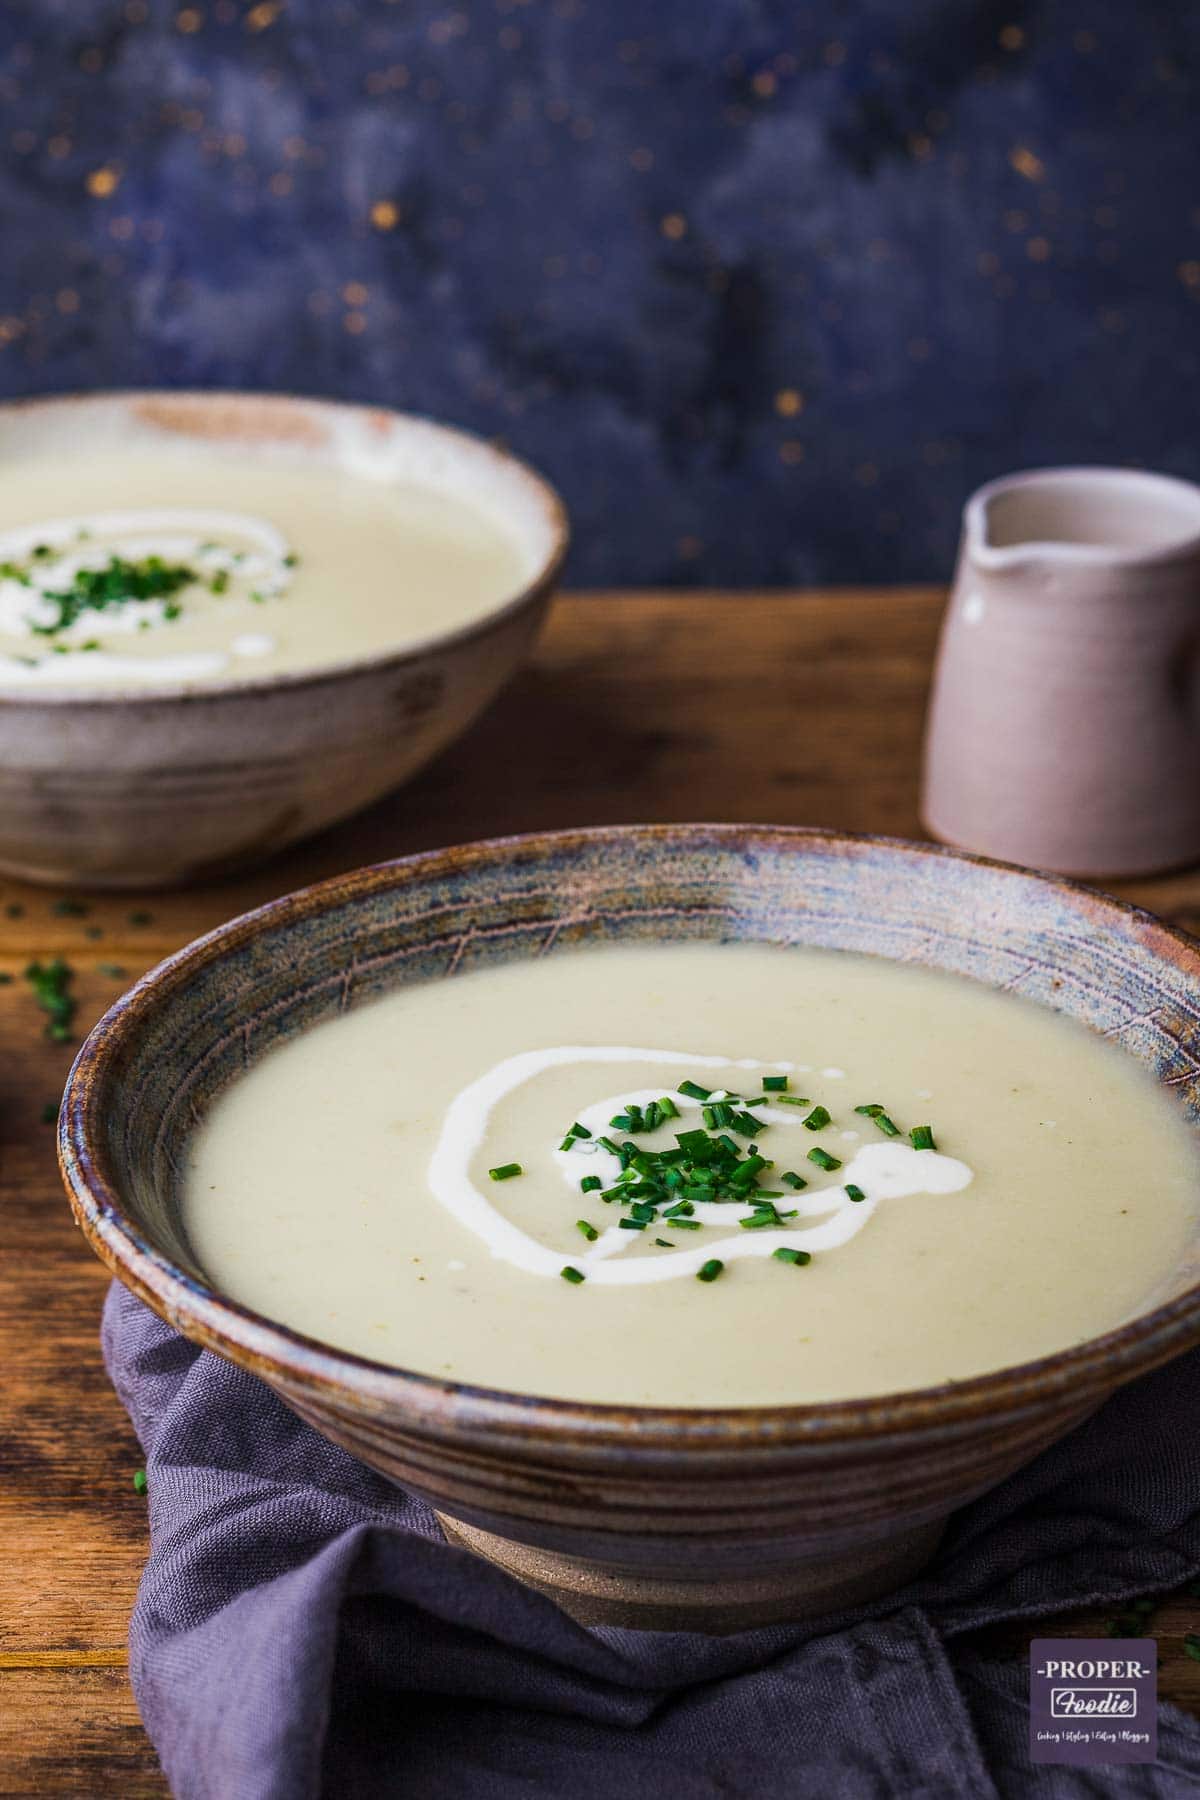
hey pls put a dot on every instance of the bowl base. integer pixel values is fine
(596, 1593)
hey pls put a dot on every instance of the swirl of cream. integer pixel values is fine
(884, 1171)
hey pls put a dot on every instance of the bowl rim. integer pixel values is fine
(540, 582)
(299, 1364)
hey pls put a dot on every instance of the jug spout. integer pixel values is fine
(1080, 518)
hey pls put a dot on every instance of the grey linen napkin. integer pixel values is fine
(303, 1629)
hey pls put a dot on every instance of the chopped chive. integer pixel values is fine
(621, 1122)
(664, 1243)
(651, 1118)
(140, 1484)
(568, 1143)
(871, 1110)
(643, 1213)
(922, 1137)
(888, 1126)
(817, 1119)
(579, 1131)
(687, 1225)
(668, 1108)
(590, 1184)
(710, 1270)
(588, 1229)
(759, 1221)
(573, 1275)
(506, 1171)
(681, 1207)
(786, 1254)
(632, 1224)
(793, 1180)
(606, 1143)
(791, 1100)
(774, 1084)
(709, 1115)
(823, 1159)
(50, 1112)
(853, 1192)
(694, 1091)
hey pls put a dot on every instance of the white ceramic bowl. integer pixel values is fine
(149, 787)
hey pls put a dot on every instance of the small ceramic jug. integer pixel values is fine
(1064, 729)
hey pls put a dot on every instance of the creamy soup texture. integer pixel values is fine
(130, 568)
(423, 1181)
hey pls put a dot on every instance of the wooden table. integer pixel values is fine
(801, 708)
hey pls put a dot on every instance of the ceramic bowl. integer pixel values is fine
(142, 788)
(638, 1515)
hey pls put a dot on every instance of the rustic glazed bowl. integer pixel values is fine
(638, 1515)
(147, 787)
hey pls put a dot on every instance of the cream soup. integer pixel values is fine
(848, 1177)
(128, 568)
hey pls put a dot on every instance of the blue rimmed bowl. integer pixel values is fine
(639, 1515)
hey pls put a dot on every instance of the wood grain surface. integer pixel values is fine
(803, 709)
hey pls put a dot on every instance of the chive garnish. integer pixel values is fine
(774, 1084)
(664, 1243)
(92, 590)
(573, 1275)
(687, 1225)
(711, 1269)
(667, 1107)
(793, 1180)
(786, 1254)
(694, 1091)
(759, 1220)
(506, 1171)
(817, 1119)
(588, 1229)
(579, 1131)
(875, 1112)
(51, 983)
(922, 1137)
(853, 1192)
(791, 1100)
(709, 1115)
(823, 1159)
(590, 1184)
(632, 1224)
(140, 1484)
(568, 1143)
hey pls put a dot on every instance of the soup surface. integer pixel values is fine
(411, 1180)
(130, 568)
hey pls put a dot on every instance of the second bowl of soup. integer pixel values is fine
(227, 620)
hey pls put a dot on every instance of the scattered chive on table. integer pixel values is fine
(795, 708)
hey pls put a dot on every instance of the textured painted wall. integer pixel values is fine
(765, 287)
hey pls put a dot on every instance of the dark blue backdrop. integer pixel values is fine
(766, 288)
